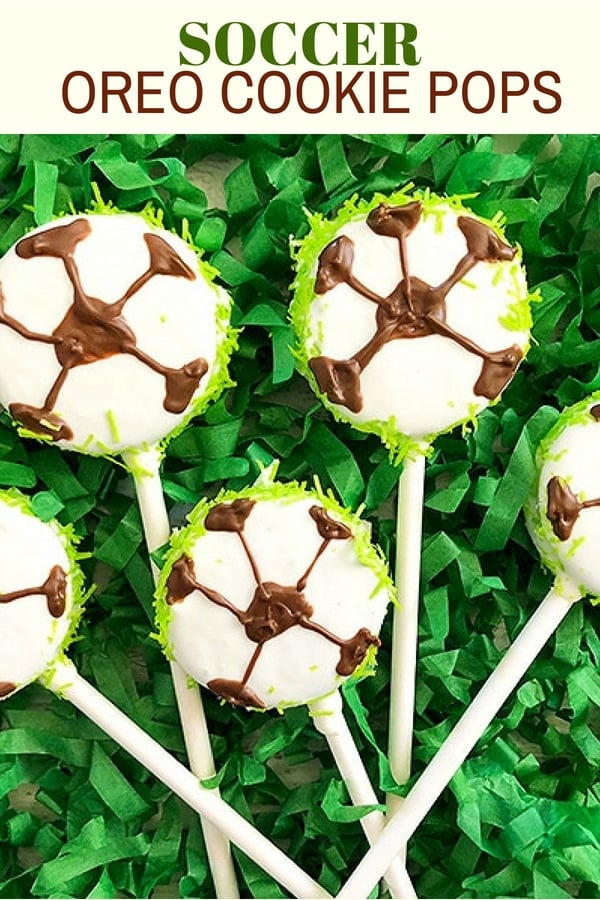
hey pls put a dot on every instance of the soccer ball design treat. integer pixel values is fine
(564, 515)
(112, 332)
(272, 597)
(412, 314)
(38, 603)
(113, 335)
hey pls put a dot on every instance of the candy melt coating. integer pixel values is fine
(272, 597)
(110, 332)
(412, 315)
(564, 514)
(37, 602)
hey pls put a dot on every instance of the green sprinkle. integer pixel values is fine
(113, 427)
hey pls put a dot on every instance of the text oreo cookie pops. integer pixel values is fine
(411, 316)
(112, 335)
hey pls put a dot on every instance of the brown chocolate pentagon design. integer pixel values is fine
(181, 581)
(229, 516)
(274, 608)
(414, 309)
(93, 330)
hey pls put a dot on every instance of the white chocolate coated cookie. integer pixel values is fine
(37, 607)
(411, 314)
(564, 514)
(111, 332)
(272, 597)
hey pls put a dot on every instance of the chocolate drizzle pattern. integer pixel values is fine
(563, 506)
(54, 589)
(414, 309)
(92, 330)
(274, 608)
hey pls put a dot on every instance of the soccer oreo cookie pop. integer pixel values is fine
(563, 518)
(39, 593)
(113, 334)
(122, 331)
(564, 515)
(295, 595)
(411, 316)
(272, 597)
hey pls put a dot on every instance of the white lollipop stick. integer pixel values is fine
(159, 327)
(329, 720)
(365, 346)
(462, 739)
(67, 682)
(405, 623)
(312, 592)
(157, 530)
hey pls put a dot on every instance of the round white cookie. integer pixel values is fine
(564, 514)
(112, 333)
(412, 315)
(37, 603)
(272, 597)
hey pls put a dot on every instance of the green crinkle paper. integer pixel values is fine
(79, 817)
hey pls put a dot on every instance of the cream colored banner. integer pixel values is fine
(520, 66)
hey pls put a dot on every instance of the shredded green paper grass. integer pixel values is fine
(80, 818)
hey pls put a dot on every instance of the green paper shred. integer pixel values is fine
(333, 163)
(104, 887)
(336, 808)
(516, 483)
(114, 789)
(52, 147)
(163, 856)
(44, 191)
(46, 505)
(92, 848)
(16, 475)
(343, 473)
